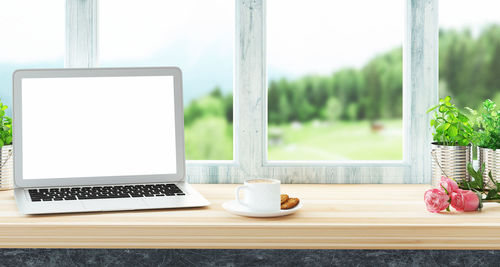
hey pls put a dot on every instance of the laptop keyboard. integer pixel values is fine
(105, 192)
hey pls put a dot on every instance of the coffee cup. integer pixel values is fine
(260, 195)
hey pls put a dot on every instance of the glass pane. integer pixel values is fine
(195, 35)
(469, 51)
(334, 79)
(33, 37)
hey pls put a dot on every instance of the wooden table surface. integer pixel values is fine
(333, 216)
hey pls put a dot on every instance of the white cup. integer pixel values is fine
(260, 195)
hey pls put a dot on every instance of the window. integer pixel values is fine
(334, 81)
(126, 26)
(197, 36)
(31, 39)
(469, 51)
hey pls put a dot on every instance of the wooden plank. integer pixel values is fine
(333, 216)
(420, 85)
(81, 33)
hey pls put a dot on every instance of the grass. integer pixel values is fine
(211, 139)
(336, 141)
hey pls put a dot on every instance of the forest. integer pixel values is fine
(469, 71)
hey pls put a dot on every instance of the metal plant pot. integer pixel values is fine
(451, 161)
(6, 172)
(491, 160)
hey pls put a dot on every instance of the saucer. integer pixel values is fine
(234, 207)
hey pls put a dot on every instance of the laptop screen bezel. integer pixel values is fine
(17, 77)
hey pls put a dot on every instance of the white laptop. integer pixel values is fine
(99, 140)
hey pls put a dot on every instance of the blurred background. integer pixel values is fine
(334, 67)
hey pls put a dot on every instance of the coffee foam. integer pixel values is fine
(261, 181)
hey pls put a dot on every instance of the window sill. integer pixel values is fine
(333, 216)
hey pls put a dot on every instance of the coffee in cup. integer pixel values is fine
(261, 181)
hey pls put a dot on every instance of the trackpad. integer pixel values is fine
(115, 204)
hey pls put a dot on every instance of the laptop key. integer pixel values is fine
(104, 192)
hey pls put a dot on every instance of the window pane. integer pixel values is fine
(33, 37)
(469, 51)
(195, 35)
(334, 80)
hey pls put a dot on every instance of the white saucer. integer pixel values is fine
(234, 207)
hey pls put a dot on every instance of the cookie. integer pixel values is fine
(284, 198)
(290, 203)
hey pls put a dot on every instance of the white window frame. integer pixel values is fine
(420, 91)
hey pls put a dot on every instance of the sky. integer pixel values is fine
(327, 35)
(303, 37)
(32, 31)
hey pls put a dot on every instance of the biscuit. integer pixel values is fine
(284, 198)
(290, 203)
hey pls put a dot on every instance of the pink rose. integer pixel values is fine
(436, 200)
(465, 200)
(447, 183)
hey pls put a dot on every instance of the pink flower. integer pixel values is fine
(465, 200)
(436, 200)
(449, 184)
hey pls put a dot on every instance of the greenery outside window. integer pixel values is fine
(420, 83)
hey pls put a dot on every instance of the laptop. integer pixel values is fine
(103, 139)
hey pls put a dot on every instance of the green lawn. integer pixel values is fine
(211, 139)
(336, 141)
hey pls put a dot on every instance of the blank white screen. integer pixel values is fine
(98, 126)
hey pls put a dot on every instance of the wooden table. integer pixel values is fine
(333, 216)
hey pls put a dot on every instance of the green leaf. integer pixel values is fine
(433, 108)
(462, 118)
(488, 104)
(440, 128)
(447, 99)
(493, 194)
(451, 117)
(452, 131)
(445, 190)
(477, 176)
(492, 180)
(463, 142)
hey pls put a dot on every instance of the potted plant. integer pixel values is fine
(486, 137)
(6, 151)
(451, 149)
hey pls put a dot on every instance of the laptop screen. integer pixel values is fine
(98, 126)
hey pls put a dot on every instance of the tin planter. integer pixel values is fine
(491, 160)
(6, 164)
(451, 161)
